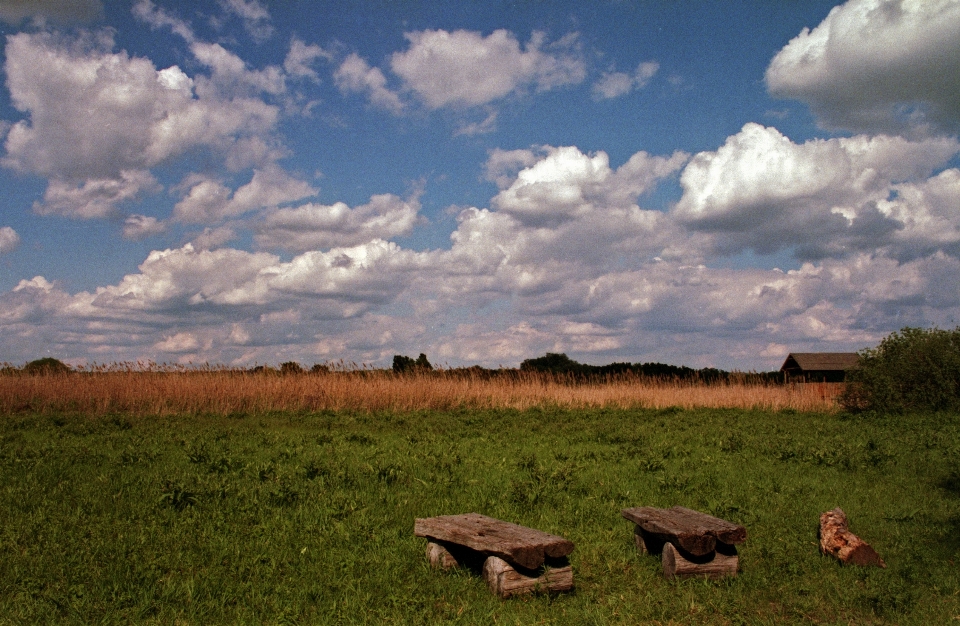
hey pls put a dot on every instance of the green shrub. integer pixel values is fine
(915, 369)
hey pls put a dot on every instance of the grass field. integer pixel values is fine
(306, 516)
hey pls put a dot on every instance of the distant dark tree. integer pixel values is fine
(552, 363)
(320, 368)
(403, 364)
(915, 369)
(290, 367)
(422, 363)
(47, 365)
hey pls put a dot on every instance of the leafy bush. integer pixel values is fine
(915, 369)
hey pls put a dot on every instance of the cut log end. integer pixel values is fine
(504, 580)
(717, 565)
(837, 541)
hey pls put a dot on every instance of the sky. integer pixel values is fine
(709, 184)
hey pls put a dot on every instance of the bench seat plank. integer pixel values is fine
(515, 544)
(693, 531)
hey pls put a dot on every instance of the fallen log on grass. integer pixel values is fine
(837, 540)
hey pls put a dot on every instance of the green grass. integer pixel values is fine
(308, 518)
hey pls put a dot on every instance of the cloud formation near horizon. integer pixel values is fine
(569, 253)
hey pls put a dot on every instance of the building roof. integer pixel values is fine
(819, 361)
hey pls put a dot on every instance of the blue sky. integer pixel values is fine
(706, 184)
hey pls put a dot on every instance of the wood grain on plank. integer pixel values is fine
(523, 546)
(693, 531)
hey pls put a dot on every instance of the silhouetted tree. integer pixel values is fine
(552, 363)
(290, 367)
(47, 365)
(403, 364)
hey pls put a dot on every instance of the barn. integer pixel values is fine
(827, 367)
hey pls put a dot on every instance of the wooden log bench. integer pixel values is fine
(516, 559)
(690, 543)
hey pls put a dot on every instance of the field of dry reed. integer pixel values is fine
(225, 392)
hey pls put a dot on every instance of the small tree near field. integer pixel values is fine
(915, 369)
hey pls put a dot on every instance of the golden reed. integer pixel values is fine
(225, 392)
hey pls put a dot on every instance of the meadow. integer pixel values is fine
(291, 500)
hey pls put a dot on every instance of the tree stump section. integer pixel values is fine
(505, 580)
(691, 543)
(837, 541)
(517, 559)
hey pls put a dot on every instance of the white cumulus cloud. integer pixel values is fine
(464, 68)
(180, 342)
(568, 184)
(316, 226)
(141, 118)
(824, 197)
(356, 75)
(877, 66)
(136, 227)
(9, 240)
(210, 201)
(94, 197)
(616, 84)
(299, 60)
(256, 18)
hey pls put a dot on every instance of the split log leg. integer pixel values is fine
(647, 543)
(723, 562)
(504, 580)
(440, 557)
(838, 541)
